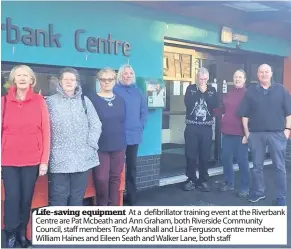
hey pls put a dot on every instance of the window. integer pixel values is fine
(276, 62)
(47, 77)
(177, 65)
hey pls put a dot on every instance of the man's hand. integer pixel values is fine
(247, 135)
(287, 133)
(244, 140)
(43, 169)
(203, 88)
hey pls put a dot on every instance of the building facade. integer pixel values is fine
(160, 46)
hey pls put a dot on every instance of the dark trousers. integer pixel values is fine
(277, 143)
(131, 156)
(19, 185)
(67, 189)
(232, 146)
(198, 140)
(107, 177)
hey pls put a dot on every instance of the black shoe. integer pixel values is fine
(21, 238)
(10, 239)
(128, 201)
(189, 185)
(204, 187)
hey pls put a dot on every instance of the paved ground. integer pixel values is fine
(172, 195)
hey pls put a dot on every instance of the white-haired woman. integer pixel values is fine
(75, 130)
(25, 150)
(136, 115)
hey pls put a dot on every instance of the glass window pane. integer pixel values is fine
(177, 65)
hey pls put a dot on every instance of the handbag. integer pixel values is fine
(84, 103)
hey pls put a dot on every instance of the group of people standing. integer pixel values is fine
(68, 135)
(77, 134)
(251, 118)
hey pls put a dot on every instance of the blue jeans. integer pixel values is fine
(232, 147)
(277, 143)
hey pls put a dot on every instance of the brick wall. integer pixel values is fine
(148, 172)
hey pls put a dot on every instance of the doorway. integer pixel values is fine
(179, 72)
(180, 67)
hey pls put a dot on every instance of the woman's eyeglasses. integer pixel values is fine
(110, 80)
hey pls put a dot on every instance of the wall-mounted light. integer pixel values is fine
(227, 36)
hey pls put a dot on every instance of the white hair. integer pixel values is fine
(121, 71)
(202, 71)
(27, 69)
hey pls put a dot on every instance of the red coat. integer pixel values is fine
(26, 130)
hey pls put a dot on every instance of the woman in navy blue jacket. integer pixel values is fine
(136, 115)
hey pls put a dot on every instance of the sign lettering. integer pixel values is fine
(48, 38)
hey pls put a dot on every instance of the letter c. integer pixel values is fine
(77, 45)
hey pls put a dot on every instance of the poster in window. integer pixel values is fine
(156, 94)
(155, 91)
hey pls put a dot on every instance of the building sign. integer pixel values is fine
(48, 38)
(227, 36)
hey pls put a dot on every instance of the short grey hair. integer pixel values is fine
(106, 70)
(241, 71)
(70, 70)
(121, 70)
(202, 71)
(265, 65)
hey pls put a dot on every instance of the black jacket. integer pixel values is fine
(200, 106)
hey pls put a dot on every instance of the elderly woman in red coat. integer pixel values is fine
(25, 151)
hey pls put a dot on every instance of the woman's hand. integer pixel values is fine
(43, 169)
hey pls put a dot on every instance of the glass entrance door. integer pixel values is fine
(179, 65)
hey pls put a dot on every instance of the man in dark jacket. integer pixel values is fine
(266, 116)
(200, 101)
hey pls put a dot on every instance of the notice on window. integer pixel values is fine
(176, 88)
(119, 226)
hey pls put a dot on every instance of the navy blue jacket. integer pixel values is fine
(136, 112)
(266, 109)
